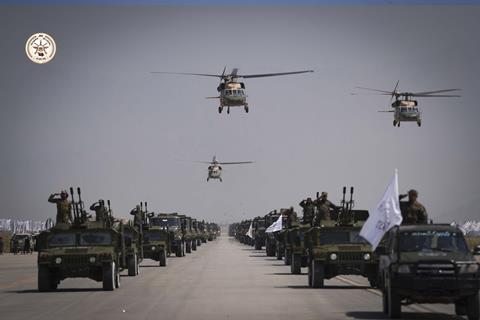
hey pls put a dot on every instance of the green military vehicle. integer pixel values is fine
(202, 228)
(197, 232)
(271, 238)
(157, 238)
(187, 234)
(172, 223)
(211, 232)
(82, 249)
(335, 247)
(132, 242)
(259, 232)
(429, 264)
(294, 243)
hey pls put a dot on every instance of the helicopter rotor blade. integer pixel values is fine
(241, 162)
(436, 95)
(385, 111)
(394, 91)
(223, 74)
(436, 91)
(190, 74)
(271, 74)
(385, 92)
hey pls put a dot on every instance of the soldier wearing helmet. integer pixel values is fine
(323, 208)
(413, 212)
(100, 210)
(308, 210)
(64, 213)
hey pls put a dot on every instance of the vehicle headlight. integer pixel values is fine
(92, 259)
(153, 248)
(366, 256)
(58, 260)
(403, 268)
(333, 256)
(468, 268)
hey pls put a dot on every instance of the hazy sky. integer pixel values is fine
(95, 117)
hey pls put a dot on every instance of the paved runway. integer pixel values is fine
(222, 280)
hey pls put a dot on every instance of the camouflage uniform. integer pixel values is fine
(100, 210)
(63, 208)
(323, 209)
(308, 210)
(137, 216)
(413, 212)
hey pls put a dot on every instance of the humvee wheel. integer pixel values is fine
(296, 263)
(199, 243)
(278, 253)
(204, 240)
(194, 245)
(318, 274)
(394, 304)
(45, 280)
(258, 245)
(461, 307)
(109, 276)
(385, 301)
(183, 249)
(288, 257)
(117, 278)
(132, 265)
(189, 247)
(473, 312)
(163, 259)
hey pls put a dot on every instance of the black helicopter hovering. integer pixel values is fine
(231, 90)
(406, 109)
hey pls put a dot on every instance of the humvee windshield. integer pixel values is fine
(61, 240)
(431, 240)
(153, 236)
(166, 222)
(341, 237)
(95, 238)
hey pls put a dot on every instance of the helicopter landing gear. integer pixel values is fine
(220, 109)
(220, 179)
(246, 108)
(394, 123)
(419, 122)
(228, 110)
(208, 179)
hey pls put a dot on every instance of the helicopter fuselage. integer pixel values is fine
(214, 172)
(406, 111)
(232, 94)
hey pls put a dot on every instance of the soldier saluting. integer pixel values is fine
(413, 212)
(323, 207)
(64, 214)
(100, 210)
(308, 210)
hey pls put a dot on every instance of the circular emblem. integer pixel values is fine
(40, 48)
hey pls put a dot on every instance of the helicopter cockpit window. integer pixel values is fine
(403, 109)
(227, 92)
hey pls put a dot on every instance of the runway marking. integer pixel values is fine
(377, 292)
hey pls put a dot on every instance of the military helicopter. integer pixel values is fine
(215, 168)
(231, 91)
(406, 109)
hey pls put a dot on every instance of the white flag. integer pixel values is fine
(386, 215)
(250, 231)
(276, 226)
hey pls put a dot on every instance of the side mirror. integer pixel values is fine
(476, 251)
(380, 251)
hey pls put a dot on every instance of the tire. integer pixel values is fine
(189, 247)
(204, 240)
(132, 265)
(310, 272)
(473, 312)
(46, 282)
(258, 245)
(278, 253)
(394, 304)
(183, 249)
(162, 261)
(296, 265)
(199, 243)
(117, 278)
(288, 257)
(385, 300)
(461, 307)
(109, 276)
(178, 251)
(318, 274)
(194, 245)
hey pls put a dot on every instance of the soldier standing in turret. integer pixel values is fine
(64, 214)
(413, 212)
(137, 216)
(100, 210)
(323, 208)
(308, 210)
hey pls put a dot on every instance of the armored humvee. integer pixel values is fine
(294, 243)
(259, 232)
(335, 247)
(157, 238)
(132, 241)
(82, 249)
(270, 238)
(429, 264)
